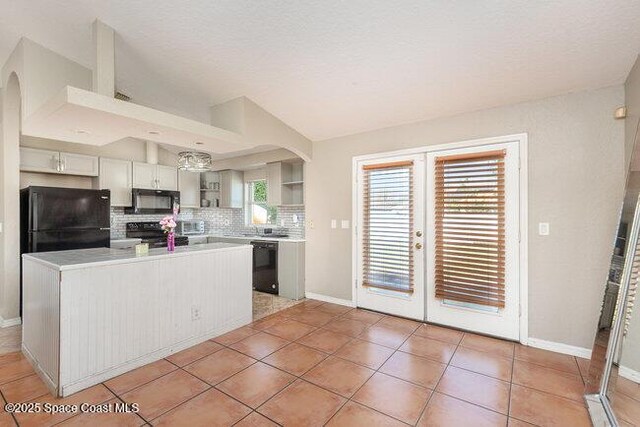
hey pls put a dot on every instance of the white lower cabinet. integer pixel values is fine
(291, 269)
(291, 278)
(116, 175)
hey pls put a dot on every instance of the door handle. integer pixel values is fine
(418, 245)
(419, 233)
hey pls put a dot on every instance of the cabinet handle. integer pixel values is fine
(56, 162)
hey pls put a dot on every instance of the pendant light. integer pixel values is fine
(194, 161)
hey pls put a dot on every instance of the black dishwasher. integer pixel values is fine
(265, 266)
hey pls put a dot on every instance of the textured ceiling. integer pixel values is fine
(330, 67)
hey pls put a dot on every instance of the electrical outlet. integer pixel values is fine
(195, 312)
(311, 225)
(334, 223)
(344, 223)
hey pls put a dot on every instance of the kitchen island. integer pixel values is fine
(92, 314)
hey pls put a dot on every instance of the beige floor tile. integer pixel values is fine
(339, 376)
(475, 388)
(483, 362)
(547, 359)
(295, 358)
(548, 380)
(451, 336)
(353, 414)
(365, 353)
(256, 384)
(254, 419)
(489, 344)
(418, 370)
(394, 397)
(302, 404)
(194, 353)
(219, 366)
(444, 410)
(108, 419)
(211, 408)
(259, 345)
(545, 409)
(235, 335)
(165, 393)
(427, 347)
(140, 376)
(325, 340)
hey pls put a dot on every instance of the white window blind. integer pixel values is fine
(470, 228)
(387, 226)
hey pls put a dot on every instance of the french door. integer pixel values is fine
(389, 260)
(472, 235)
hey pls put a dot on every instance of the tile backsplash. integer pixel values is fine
(216, 220)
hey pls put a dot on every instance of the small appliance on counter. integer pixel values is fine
(151, 233)
(190, 228)
(57, 219)
(265, 266)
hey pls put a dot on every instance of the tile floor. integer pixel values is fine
(324, 364)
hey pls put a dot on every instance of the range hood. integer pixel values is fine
(86, 117)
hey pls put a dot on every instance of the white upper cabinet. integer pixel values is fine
(189, 187)
(274, 184)
(36, 160)
(155, 177)
(33, 160)
(231, 189)
(167, 177)
(78, 164)
(117, 176)
(285, 183)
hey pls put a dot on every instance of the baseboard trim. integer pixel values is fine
(560, 348)
(333, 300)
(5, 323)
(629, 374)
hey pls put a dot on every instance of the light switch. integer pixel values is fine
(344, 223)
(0, 227)
(334, 223)
(311, 225)
(543, 228)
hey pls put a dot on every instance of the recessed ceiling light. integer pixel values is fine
(199, 143)
(154, 132)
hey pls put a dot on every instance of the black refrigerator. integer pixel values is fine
(56, 219)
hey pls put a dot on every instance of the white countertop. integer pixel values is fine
(259, 238)
(83, 258)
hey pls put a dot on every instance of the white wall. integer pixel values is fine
(576, 178)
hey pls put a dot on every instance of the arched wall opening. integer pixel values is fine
(10, 201)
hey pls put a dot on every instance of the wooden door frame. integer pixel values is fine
(522, 140)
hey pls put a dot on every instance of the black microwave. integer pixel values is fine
(144, 201)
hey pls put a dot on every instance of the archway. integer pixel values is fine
(10, 202)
